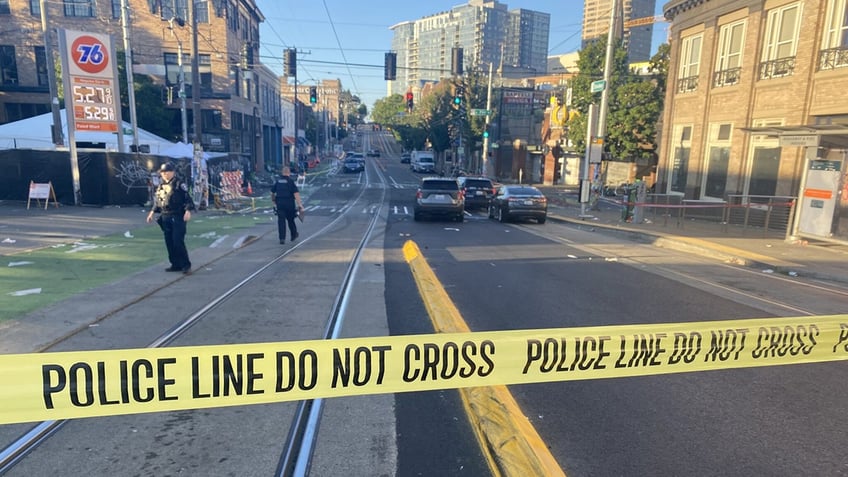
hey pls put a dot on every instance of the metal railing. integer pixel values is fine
(727, 77)
(833, 58)
(768, 214)
(777, 68)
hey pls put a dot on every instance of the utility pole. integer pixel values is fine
(182, 93)
(128, 67)
(195, 78)
(56, 130)
(486, 164)
(602, 118)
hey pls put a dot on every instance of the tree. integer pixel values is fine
(635, 102)
(388, 111)
(151, 113)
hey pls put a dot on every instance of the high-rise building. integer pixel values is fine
(487, 32)
(596, 18)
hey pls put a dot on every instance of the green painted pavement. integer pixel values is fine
(62, 271)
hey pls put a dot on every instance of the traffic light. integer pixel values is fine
(290, 62)
(409, 101)
(456, 61)
(313, 94)
(486, 132)
(390, 67)
(457, 97)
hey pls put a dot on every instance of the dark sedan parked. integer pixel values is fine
(514, 202)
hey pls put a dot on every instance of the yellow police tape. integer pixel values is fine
(47, 386)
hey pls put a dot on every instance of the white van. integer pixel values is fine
(422, 161)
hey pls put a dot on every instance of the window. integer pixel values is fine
(116, 8)
(680, 159)
(172, 68)
(8, 66)
(35, 8)
(41, 66)
(834, 52)
(4, 7)
(780, 42)
(718, 160)
(729, 62)
(79, 8)
(690, 58)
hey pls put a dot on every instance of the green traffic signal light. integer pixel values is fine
(485, 133)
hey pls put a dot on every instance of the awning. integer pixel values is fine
(288, 140)
(829, 135)
(302, 142)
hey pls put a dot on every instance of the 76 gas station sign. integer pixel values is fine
(89, 75)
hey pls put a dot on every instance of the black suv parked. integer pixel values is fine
(478, 191)
(438, 196)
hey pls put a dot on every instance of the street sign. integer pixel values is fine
(598, 86)
(479, 112)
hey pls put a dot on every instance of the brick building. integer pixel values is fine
(230, 96)
(756, 101)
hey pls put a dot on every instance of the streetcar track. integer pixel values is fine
(301, 449)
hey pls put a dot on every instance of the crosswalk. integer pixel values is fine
(394, 210)
(375, 185)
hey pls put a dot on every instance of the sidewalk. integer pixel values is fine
(749, 247)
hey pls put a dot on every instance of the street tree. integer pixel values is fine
(635, 101)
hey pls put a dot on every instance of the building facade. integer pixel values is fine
(596, 18)
(756, 106)
(487, 32)
(229, 95)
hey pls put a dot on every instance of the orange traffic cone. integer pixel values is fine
(249, 189)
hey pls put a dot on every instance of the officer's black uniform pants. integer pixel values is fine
(286, 215)
(174, 228)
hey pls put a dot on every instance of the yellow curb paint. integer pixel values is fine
(509, 441)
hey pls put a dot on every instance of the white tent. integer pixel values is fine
(34, 133)
(183, 150)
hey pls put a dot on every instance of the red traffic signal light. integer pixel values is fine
(409, 100)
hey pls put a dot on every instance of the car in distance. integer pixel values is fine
(405, 157)
(513, 202)
(353, 164)
(374, 153)
(439, 197)
(478, 191)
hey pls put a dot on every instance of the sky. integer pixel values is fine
(347, 40)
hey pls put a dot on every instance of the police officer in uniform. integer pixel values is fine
(286, 197)
(174, 205)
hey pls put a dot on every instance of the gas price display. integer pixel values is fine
(93, 100)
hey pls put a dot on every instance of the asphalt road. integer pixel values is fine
(785, 420)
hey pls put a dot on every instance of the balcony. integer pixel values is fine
(687, 85)
(727, 77)
(777, 68)
(833, 58)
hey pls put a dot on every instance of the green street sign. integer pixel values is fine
(598, 86)
(479, 112)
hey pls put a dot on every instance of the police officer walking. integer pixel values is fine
(174, 205)
(286, 196)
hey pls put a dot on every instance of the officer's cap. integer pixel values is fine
(166, 167)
